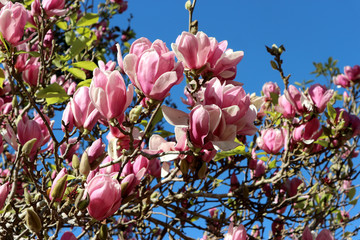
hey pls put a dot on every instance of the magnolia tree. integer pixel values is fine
(86, 156)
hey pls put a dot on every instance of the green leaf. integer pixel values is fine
(164, 133)
(239, 150)
(331, 111)
(85, 83)
(323, 143)
(88, 65)
(33, 54)
(353, 202)
(2, 78)
(77, 46)
(351, 193)
(194, 218)
(272, 164)
(88, 19)
(62, 25)
(274, 98)
(53, 93)
(78, 73)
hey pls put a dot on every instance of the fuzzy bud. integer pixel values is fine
(32, 220)
(135, 113)
(84, 164)
(28, 146)
(188, 5)
(75, 162)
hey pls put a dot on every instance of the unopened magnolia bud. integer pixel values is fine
(188, 5)
(81, 203)
(59, 188)
(28, 146)
(103, 233)
(202, 170)
(27, 196)
(84, 164)
(123, 187)
(75, 162)
(14, 102)
(184, 166)
(135, 113)
(32, 220)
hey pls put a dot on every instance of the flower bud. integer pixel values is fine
(135, 113)
(32, 220)
(103, 233)
(202, 170)
(59, 188)
(184, 166)
(188, 5)
(27, 196)
(75, 162)
(28, 146)
(84, 164)
(80, 203)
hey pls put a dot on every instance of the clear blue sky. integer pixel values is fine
(311, 30)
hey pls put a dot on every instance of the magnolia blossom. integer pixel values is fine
(285, 107)
(13, 17)
(60, 175)
(54, 7)
(105, 196)
(298, 100)
(271, 140)
(320, 96)
(4, 192)
(151, 67)
(80, 111)
(323, 235)
(269, 88)
(236, 233)
(109, 95)
(308, 132)
(350, 75)
(199, 51)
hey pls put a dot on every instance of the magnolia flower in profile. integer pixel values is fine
(320, 96)
(271, 140)
(269, 88)
(325, 234)
(236, 233)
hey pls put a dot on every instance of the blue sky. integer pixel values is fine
(310, 31)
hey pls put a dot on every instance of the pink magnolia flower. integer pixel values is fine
(105, 196)
(28, 129)
(68, 236)
(84, 113)
(30, 74)
(236, 233)
(352, 73)
(323, 235)
(260, 169)
(54, 7)
(285, 107)
(298, 100)
(95, 152)
(320, 96)
(197, 51)
(292, 185)
(152, 68)
(270, 87)
(13, 17)
(60, 175)
(109, 95)
(308, 132)
(4, 192)
(271, 140)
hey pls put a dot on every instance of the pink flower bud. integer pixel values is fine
(342, 80)
(285, 107)
(27, 130)
(352, 73)
(236, 233)
(109, 169)
(152, 69)
(60, 175)
(105, 196)
(213, 212)
(320, 95)
(30, 75)
(292, 186)
(4, 192)
(270, 87)
(68, 236)
(13, 17)
(271, 140)
(96, 152)
(140, 163)
(260, 169)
